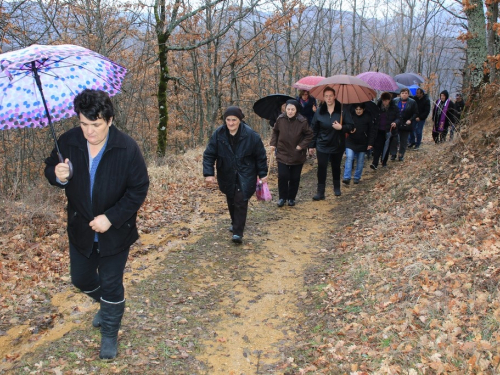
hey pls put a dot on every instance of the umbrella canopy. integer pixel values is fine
(348, 89)
(379, 81)
(269, 107)
(307, 83)
(413, 89)
(40, 82)
(409, 79)
(398, 90)
(63, 71)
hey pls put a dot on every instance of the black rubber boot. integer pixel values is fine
(336, 187)
(96, 296)
(320, 195)
(111, 317)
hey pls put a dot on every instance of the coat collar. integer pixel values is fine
(323, 109)
(115, 139)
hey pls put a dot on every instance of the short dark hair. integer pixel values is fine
(420, 90)
(328, 88)
(405, 89)
(94, 104)
(385, 96)
(359, 105)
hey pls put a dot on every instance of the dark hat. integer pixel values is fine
(445, 92)
(234, 111)
(295, 103)
(385, 96)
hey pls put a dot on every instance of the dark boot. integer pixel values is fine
(336, 187)
(111, 317)
(96, 296)
(320, 195)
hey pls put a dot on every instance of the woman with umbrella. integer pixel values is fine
(330, 124)
(108, 187)
(291, 136)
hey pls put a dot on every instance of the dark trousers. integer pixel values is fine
(238, 208)
(335, 160)
(403, 143)
(288, 180)
(88, 274)
(378, 147)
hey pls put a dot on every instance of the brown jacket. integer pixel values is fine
(287, 135)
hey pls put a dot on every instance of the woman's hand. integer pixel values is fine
(298, 148)
(314, 107)
(369, 147)
(336, 125)
(312, 151)
(353, 131)
(210, 179)
(62, 171)
(100, 224)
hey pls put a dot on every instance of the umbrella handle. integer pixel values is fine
(70, 165)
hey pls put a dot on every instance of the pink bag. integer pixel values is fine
(262, 191)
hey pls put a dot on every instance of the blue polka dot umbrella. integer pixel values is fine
(38, 83)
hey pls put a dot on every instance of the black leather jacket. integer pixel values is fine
(326, 138)
(409, 113)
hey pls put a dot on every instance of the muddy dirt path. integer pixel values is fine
(198, 305)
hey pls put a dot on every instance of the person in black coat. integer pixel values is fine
(109, 185)
(409, 112)
(442, 116)
(383, 130)
(307, 105)
(330, 124)
(357, 143)
(424, 108)
(239, 155)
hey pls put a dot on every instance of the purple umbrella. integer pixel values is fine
(409, 79)
(39, 83)
(379, 81)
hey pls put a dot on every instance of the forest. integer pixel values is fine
(187, 61)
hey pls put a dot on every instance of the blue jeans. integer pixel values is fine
(350, 157)
(415, 137)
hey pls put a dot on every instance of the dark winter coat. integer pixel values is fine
(287, 135)
(358, 141)
(327, 139)
(436, 113)
(306, 108)
(424, 106)
(240, 167)
(392, 114)
(120, 187)
(409, 113)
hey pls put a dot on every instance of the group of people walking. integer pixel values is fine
(386, 129)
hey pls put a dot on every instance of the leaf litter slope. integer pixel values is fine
(196, 302)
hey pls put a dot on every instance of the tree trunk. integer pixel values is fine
(476, 44)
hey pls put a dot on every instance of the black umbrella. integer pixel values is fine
(269, 107)
(409, 79)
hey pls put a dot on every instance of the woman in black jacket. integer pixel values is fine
(357, 143)
(240, 156)
(330, 124)
(383, 129)
(109, 184)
